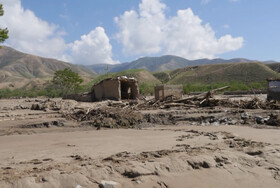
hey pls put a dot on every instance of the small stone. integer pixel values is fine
(244, 116)
(259, 120)
(107, 184)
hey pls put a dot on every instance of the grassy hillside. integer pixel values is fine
(240, 76)
(274, 66)
(244, 72)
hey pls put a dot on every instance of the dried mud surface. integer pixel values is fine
(55, 143)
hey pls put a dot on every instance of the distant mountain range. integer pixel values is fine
(18, 69)
(163, 63)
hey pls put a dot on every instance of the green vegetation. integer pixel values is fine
(67, 80)
(49, 90)
(34, 92)
(146, 88)
(3, 32)
(274, 66)
(164, 77)
(234, 86)
(217, 73)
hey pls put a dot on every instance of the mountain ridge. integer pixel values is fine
(162, 63)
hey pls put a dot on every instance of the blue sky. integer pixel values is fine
(111, 31)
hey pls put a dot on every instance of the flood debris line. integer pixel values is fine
(47, 124)
(208, 99)
(108, 117)
(203, 99)
(203, 109)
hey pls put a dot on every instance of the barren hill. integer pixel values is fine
(18, 68)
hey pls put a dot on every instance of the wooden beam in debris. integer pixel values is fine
(202, 95)
(168, 105)
(219, 89)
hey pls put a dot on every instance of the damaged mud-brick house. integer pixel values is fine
(164, 92)
(273, 89)
(115, 89)
(119, 88)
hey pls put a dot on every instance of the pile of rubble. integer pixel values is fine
(207, 99)
(109, 117)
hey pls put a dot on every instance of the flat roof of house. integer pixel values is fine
(121, 78)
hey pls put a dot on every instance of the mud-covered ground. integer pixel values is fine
(64, 143)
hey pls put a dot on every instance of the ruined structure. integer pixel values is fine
(273, 89)
(115, 89)
(164, 91)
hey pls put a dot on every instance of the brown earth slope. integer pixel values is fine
(18, 68)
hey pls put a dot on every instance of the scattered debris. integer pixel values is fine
(202, 109)
(37, 107)
(274, 120)
(57, 123)
(106, 117)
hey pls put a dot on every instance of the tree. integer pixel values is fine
(3, 32)
(67, 80)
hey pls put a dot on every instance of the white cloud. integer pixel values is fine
(142, 33)
(93, 48)
(149, 32)
(30, 34)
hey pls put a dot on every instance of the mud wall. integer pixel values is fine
(168, 90)
(159, 92)
(134, 90)
(107, 89)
